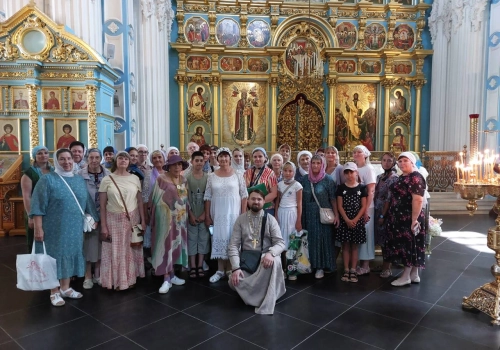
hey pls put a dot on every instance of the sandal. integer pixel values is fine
(353, 277)
(217, 276)
(201, 273)
(192, 272)
(71, 293)
(345, 276)
(56, 299)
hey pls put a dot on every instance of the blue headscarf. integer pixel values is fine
(35, 167)
(134, 168)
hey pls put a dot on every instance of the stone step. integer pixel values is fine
(450, 203)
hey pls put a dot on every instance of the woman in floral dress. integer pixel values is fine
(406, 220)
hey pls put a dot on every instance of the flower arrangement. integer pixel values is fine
(435, 226)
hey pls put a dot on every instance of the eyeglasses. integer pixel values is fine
(143, 152)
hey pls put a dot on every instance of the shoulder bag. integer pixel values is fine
(250, 259)
(137, 232)
(88, 220)
(326, 215)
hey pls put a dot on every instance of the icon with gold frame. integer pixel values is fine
(78, 99)
(66, 131)
(51, 98)
(10, 135)
(19, 98)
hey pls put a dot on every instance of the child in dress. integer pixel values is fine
(351, 202)
(289, 206)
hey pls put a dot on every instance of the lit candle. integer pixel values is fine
(461, 157)
(456, 166)
(480, 167)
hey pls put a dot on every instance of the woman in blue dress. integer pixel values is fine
(320, 236)
(59, 222)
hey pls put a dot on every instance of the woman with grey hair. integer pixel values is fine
(93, 175)
(367, 177)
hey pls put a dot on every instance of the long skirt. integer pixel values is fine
(92, 246)
(287, 218)
(366, 250)
(120, 263)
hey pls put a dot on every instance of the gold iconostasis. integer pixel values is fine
(308, 75)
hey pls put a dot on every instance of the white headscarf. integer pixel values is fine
(365, 151)
(239, 168)
(141, 145)
(301, 153)
(169, 149)
(59, 169)
(412, 159)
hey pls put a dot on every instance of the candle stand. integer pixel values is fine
(487, 297)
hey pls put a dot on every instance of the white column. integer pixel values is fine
(493, 80)
(153, 124)
(458, 70)
(84, 17)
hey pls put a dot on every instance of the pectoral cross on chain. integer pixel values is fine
(255, 241)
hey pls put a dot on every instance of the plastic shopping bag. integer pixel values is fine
(36, 271)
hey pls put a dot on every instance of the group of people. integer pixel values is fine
(218, 205)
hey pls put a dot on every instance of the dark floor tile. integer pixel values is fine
(178, 331)
(336, 290)
(401, 308)
(120, 343)
(442, 273)
(424, 338)
(288, 293)
(9, 241)
(4, 337)
(481, 226)
(27, 321)
(149, 284)
(325, 339)
(134, 314)
(221, 286)
(224, 311)
(464, 248)
(311, 308)
(7, 272)
(182, 297)
(457, 222)
(10, 346)
(226, 341)
(305, 281)
(453, 298)
(479, 272)
(470, 283)
(14, 299)
(425, 291)
(274, 332)
(461, 259)
(98, 298)
(484, 261)
(371, 281)
(471, 326)
(82, 333)
(370, 328)
(437, 240)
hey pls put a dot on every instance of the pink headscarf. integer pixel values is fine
(318, 177)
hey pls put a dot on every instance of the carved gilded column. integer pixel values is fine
(92, 119)
(215, 81)
(275, 16)
(418, 84)
(387, 84)
(420, 28)
(243, 24)
(180, 21)
(332, 89)
(182, 80)
(360, 46)
(33, 116)
(212, 17)
(273, 83)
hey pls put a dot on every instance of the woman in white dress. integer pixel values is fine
(366, 173)
(225, 199)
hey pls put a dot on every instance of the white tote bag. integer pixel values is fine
(36, 271)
